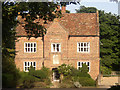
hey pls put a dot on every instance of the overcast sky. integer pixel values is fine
(94, 0)
(105, 5)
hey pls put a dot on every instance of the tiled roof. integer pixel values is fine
(75, 23)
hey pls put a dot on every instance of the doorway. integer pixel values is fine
(56, 75)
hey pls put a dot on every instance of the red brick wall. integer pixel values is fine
(68, 55)
(21, 56)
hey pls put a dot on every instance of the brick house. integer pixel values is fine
(72, 39)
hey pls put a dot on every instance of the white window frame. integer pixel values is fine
(55, 47)
(83, 63)
(28, 65)
(84, 47)
(33, 47)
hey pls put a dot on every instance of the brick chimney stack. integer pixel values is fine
(63, 10)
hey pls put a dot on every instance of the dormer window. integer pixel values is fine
(55, 47)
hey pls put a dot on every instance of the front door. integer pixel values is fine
(56, 75)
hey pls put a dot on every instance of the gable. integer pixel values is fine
(56, 29)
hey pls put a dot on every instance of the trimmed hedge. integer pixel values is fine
(85, 81)
(42, 74)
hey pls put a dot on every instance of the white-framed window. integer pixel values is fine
(83, 47)
(55, 47)
(28, 64)
(79, 65)
(30, 47)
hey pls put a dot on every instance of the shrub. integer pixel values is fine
(11, 75)
(42, 74)
(65, 69)
(105, 70)
(78, 73)
(67, 82)
(26, 80)
(85, 81)
(84, 68)
(7, 78)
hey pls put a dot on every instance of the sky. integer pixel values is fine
(105, 5)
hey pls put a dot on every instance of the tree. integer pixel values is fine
(9, 71)
(109, 37)
(9, 22)
(84, 9)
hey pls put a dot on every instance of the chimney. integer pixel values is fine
(63, 10)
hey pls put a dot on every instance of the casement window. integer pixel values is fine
(28, 64)
(55, 47)
(30, 47)
(79, 65)
(83, 47)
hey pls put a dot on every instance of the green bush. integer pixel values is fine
(105, 70)
(85, 81)
(65, 69)
(67, 82)
(26, 80)
(72, 75)
(7, 78)
(78, 73)
(84, 68)
(42, 74)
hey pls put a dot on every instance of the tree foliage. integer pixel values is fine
(109, 37)
(9, 22)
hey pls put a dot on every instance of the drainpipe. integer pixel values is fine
(43, 50)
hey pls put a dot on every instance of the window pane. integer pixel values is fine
(88, 68)
(28, 49)
(25, 64)
(28, 44)
(31, 49)
(28, 64)
(82, 63)
(85, 49)
(57, 49)
(53, 47)
(81, 49)
(78, 63)
(34, 49)
(84, 44)
(78, 68)
(31, 44)
(34, 44)
(81, 44)
(87, 44)
(25, 44)
(28, 68)
(88, 64)
(34, 64)
(25, 68)
(25, 49)
(58, 45)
